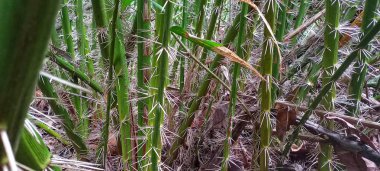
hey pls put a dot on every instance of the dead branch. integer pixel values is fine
(322, 113)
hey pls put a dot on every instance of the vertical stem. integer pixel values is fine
(100, 17)
(300, 17)
(329, 60)
(164, 39)
(280, 32)
(83, 51)
(217, 9)
(71, 50)
(199, 22)
(360, 66)
(234, 87)
(265, 86)
(143, 75)
(109, 81)
(182, 58)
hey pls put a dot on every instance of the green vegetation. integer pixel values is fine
(189, 85)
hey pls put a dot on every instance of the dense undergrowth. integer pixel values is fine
(189, 85)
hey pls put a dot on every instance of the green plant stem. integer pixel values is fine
(68, 125)
(122, 91)
(280, 32)
(266, 86)
(337, 74)
(360, 66)
(26, 24)
(199, 23)
(329, 60)
(217, 9)
(182, 130)
(100, 16)
(182, 58)
(51, 132)
(304, 6)
(234, 87)
(61, 62)
(143, 75)
(33, 152)
(84, 50)
(110, 80)
(67, 34)
(164, 38)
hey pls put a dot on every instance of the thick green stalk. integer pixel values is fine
(266, 86)
(182, 130)
(217, 9)
(337, 74)
(234, 87)
(304, 6)
(143, 75)
(54, 37)
(164, 39)
(25, 28)
(122, 91)
(105, 130)
(329, 60)
(360, 67)
(83, 43)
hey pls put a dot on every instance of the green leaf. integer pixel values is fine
(201, 42)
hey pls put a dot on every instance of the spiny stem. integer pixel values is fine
(234, 87)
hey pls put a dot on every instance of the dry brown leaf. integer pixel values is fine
(356, 23)
(285, 117)
(353, 161)
(221, 50)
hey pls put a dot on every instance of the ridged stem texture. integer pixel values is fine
(266, 86)
(163, 62)
(84, 62)
(143, 75)
(329, 60)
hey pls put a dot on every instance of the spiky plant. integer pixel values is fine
(234, 87)
(143, 73)
(266, 85)
(185, 124)
(360, 67)
(329, 60)
(162, 67)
